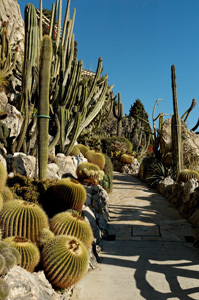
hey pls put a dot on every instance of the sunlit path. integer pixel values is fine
(152, 256)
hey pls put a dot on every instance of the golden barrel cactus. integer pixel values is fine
(72, 223)
(65, 261)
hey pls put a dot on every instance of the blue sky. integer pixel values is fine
(139, 40)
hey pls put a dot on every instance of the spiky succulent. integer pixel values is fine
(7, 194)
(126, 158)
(83, 149)
(30, 255)
(3, 177)
(75, 151)
(65, 261)
(45, 236)
(21, 218)
(69, 194)
(87, 171)
(96, 158)
(186, 174)
(4, 289)
(72, 223)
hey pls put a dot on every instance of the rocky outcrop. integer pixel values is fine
(190, 144)
(10, 12)
(31, 286)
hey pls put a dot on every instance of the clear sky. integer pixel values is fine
(139, 40)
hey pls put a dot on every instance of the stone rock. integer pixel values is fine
(189, 188)
(10, 12)
(194, 219)
(14, 120)
(164, 187)
(52, 171)
(131, 168)
(3, 100)
(190, 144)
(24, 164)
(78, 159)
(89, 215)
(66, 165)
(30, 286)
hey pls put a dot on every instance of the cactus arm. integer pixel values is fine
(74, 134)
(57, 136)
(118, 114)
(96, 109)
(97, 75)
(51, 21)
(186, 114)
(66, 18)
(176, 127)
(43, 109)
(40, 22)
(59, 24)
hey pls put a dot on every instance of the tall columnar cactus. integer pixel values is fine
(28, 80)
(72, 223)
(65, 261)
(43, 109)
(7, 60)
(118, 113)
(30, 255)
(21, 218)
(176, 128)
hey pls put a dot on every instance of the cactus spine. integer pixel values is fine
(176, 127)
(21, 218)
(72, 223)
(65, 261)
(29, 252)
(118, 113)
(43, 111)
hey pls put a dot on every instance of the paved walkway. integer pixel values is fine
(152, 256)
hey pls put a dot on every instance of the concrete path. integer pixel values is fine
(152, 256)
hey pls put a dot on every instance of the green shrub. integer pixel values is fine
(115, 146)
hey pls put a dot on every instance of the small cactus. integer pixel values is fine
(2, 263)
(7, 194)
(21, 218)
(75, 151)
(29, 252)
(89, 172)
(45, 236)
(95, 158)
(65, 261)
(72, 223)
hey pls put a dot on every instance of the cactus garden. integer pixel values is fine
(62, 136)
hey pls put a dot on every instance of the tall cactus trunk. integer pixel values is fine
(43, 109)
(118, 114)
(176, 128)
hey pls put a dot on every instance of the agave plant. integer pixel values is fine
(158, 172)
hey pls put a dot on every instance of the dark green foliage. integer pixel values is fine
(158, 173)
(138, 110)
(28, 189)
(115, 146)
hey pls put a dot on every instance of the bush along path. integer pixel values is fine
(149, 253)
